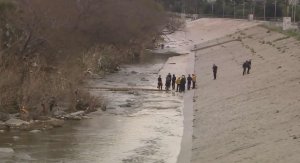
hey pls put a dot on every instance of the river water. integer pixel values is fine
(138, 126)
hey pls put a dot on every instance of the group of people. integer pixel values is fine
(179, 82)
(247, 67)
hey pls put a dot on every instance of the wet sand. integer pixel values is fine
(251, 118)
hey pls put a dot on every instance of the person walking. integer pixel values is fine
(189, 82)
(248, 66)
(245, 65)
(178, 84)
(182, 84)
(173, 81)
(194, 80)
(159, 83)
(215, 69)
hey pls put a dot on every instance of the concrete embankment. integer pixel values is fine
(185, 42)
(251, 118)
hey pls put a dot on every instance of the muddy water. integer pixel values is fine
(138, 126)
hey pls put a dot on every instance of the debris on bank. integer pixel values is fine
(57, 119)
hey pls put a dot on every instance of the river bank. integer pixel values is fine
(251, 118)
(183, 42)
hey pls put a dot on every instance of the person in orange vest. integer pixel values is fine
(194, 77)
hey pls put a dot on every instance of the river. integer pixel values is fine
(137, 127)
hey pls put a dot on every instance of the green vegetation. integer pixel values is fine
(229, 8)
(289, 33)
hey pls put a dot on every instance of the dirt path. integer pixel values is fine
(251, 118)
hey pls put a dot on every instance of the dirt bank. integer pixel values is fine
(251, 118)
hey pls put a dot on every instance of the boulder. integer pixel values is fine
(35, 131)
(59, 113)
(78, 113)
(16, 137)
(55, 122)
(43, 118)
(6, 151)
(3, 126)
(4, 116)
(125, 105)
(69, 117)
(13, 122)
(144, 79)
(86, 117)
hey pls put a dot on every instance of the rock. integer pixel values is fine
(35, 131)
(69, 117)
(16, 137)
(103, 107)
(74, 118)
(55, 122)
(110, 108)
(131, 84)
(129, 100)
(7, 151)
(59, 113)
(43, 118)
(134, 72)
(90, 109)
(13, 122)
(86, 117)
(130, 92)
(79, 113)
(144, 79)
(3, 126)
(4, 116)
(2, 131)
(125, 105)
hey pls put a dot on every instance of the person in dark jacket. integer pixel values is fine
(169, 76)
(244, 67)
(182, 83)
(215, 69)
(168, 82)
(173, 81)
(159, 83)
(248, 66)
(189, 82)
